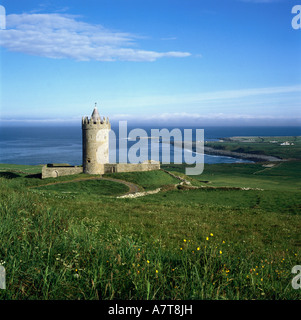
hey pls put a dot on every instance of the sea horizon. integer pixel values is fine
(34, 145)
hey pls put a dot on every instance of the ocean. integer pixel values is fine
(49, 144)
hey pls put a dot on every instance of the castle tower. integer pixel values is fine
(95, 133)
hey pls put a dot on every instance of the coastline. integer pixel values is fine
(246, 156)
(227, 153)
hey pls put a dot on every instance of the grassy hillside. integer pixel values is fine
(86, 188)
(147, 180)
(284, 176)
(76, 240)
(270, 146)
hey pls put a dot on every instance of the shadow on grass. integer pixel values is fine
(34, 176)
(9, 175)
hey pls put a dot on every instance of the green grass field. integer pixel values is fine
(147, 180)
(87, 188)
(67, 238)
(270, 146)
(282, 176)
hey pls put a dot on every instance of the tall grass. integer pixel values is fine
(178, 244)
(48, 254)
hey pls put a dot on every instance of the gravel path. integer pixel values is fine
(133, 188)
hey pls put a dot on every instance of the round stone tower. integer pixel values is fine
(95, 132)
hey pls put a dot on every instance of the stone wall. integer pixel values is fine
(49, 171)
(131, 167)
(54, 171)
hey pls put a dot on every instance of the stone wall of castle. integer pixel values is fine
(131, 167)
(57, 171)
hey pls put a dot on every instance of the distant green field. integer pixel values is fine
(148, 180)
(270, 146)
(17, 168)
(69, 238)
(86, 188)
(281, 176)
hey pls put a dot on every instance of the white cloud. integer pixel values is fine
(196, 119)
(170, 119)
(185, 116)
(214, 98)
(63, 36)
(169, 38)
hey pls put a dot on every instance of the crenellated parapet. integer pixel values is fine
(99, 123)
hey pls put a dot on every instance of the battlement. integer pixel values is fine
(95, 121)
(102, 122)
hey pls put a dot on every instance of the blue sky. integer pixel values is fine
(205, 62)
